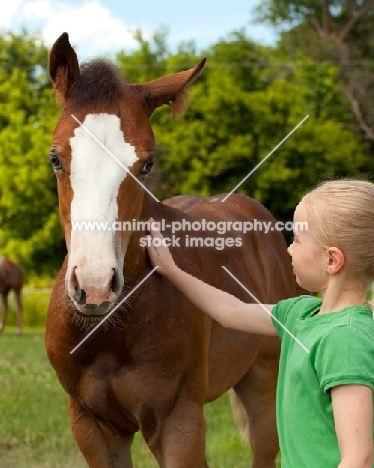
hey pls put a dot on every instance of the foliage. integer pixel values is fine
(29, 227)
(339, 32)
(241, 108)
(148, 62)
(23, 75)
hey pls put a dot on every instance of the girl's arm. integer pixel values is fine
(221, 306)
(353, 413)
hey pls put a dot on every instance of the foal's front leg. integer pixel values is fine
(178, 440)
(99, 444)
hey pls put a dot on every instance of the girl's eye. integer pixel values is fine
(146, 169)
(56, 163)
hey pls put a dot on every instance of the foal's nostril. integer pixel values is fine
(114, 282)
(80, 295)
(96, 291)
(73, 280)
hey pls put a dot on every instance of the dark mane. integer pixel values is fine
(99, 83)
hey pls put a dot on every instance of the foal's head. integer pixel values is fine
(102, 151)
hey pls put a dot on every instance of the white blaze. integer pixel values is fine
(95, 179)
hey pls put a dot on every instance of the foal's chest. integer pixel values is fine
(126, 394)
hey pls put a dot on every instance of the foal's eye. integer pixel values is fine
(146, 169)
(56, 163)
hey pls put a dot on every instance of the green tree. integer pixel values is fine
(339, 32)
(242, 106)
(148, 61)
(29, 225)
(23, 73)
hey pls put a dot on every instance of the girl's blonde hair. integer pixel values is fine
(343, 213)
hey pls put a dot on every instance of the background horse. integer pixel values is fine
(11, 277)
(155, 363)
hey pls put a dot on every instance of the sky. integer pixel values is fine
(99, 27)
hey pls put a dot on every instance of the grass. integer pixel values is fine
(34, 427)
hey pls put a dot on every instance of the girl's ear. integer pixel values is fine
(335, 260)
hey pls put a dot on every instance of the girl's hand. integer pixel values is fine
(158, 252)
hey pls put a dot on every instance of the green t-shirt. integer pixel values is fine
(339, 350)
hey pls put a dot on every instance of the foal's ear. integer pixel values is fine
(171, 89)
(63, 67)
